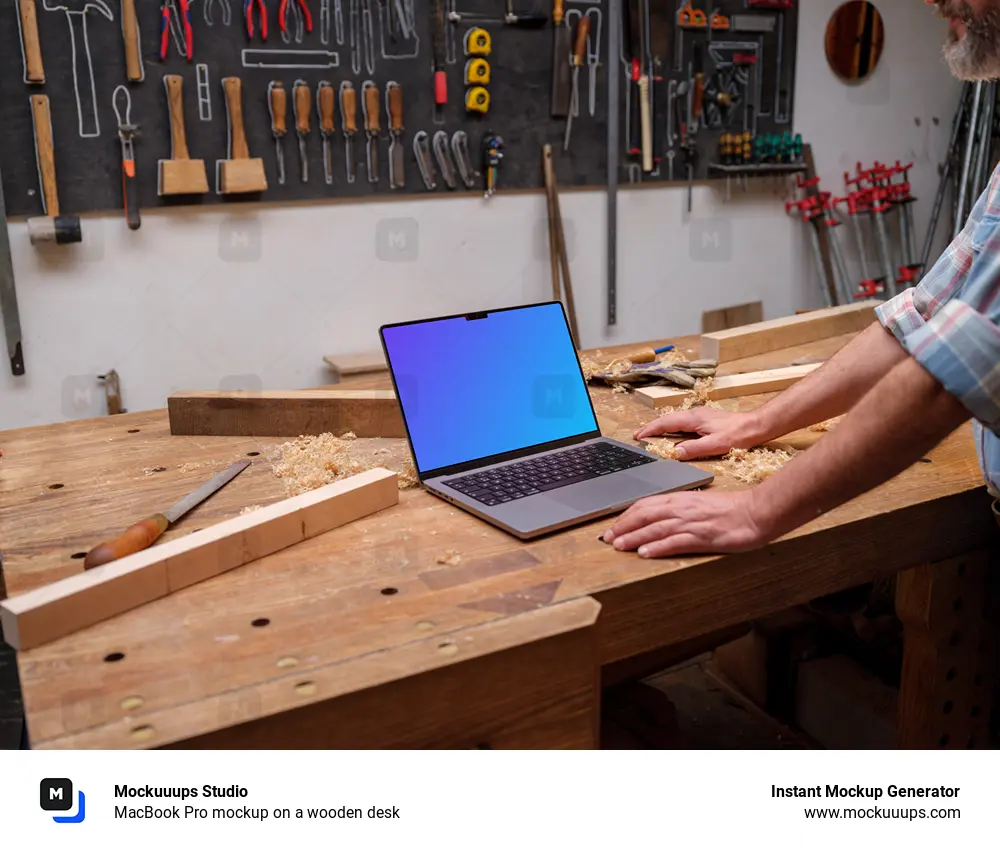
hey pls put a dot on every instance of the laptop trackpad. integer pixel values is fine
(603, 492)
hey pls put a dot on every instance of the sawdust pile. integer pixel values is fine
(311, 462)
(666, 449)
(249, 509)
(452, 558)
(751, 466)
(826, 424)
(698, 397)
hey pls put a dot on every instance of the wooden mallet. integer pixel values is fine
(179, 175)
(239, 173)
(52, 227)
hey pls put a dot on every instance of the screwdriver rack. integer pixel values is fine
(399, 39)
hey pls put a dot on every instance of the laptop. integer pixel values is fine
(501, 424)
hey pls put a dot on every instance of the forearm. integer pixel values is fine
(833, 388)
(898, 421)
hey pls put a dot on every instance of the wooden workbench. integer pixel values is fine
(423, 627)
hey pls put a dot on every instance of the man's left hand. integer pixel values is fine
(689, 523)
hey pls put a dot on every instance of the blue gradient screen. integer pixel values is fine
(473, 388)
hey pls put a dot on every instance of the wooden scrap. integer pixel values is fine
(64, 607)
(293, 413)
(730, 386)
(356, 364)
(732, 317)
(788, 331)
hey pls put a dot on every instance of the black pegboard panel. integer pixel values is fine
(88, 169)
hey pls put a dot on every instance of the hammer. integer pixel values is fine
(61, 229)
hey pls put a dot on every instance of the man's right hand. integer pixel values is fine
(719, 431)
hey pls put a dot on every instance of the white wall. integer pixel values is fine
(255, 298)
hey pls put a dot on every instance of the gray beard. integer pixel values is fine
(977, 55)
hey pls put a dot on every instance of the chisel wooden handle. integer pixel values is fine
(174, 84)
(130, 27)
(233, 87)
(34, 70)
(133, 539)
(303, 108)
(349, 109)
(396, 108)
(557, 12)
(580, 45)
(372, 108)
(326, 105)
(279, 108)
(645, 124)
(42, 119)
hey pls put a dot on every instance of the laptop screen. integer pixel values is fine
(481, 385)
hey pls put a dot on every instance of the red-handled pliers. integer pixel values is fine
(185, 20)
(283, 15)
(248, 15)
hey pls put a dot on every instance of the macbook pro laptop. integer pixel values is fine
(501, 424)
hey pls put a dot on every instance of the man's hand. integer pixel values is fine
(720, 431)
(686, 523)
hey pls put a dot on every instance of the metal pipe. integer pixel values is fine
(883, 243)
(946, 175)
(859, 240)
(963, 183)
(824, 283)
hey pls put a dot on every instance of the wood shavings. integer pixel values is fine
(698, 397)
(452, 558)
(666, 449)
(826, 424)
(311, 462)
(249, 509)
(751, 466)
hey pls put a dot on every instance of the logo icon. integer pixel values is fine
(56, 795)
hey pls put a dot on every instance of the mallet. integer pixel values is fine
(52, 227)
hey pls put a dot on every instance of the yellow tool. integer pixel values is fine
(478, 42)
(477, 72)
(477, 99)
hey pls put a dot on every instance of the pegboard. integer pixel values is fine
(88, 153)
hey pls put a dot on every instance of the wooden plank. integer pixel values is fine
(787, 331)
(62, 608)
(731, 386)
(356, 364)
(732, 317)
(242, 413)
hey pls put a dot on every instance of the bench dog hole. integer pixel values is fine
(260, 622)
(112, 657)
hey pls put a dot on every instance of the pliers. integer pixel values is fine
(248, 16)
(283, 15)
(184, 20)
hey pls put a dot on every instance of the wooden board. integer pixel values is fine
(62, 608)
(732, 317)
(356, 364)
(248, 413)
(781, 333)
(732, 386)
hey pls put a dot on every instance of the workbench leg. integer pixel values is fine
(948, 610)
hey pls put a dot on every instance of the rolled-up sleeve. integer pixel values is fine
(949, 322)
(960, 347)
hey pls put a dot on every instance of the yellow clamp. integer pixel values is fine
(477, 72)
(478, 42)
(477, 99)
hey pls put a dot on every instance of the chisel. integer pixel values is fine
(8, 298)
(560, 62)
(326, 106)
(146, 532)
(397, 154)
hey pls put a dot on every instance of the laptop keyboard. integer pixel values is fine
(535, 475)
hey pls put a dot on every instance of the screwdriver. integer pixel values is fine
(303, 115)
(579, 56)
(277, 103)
(394, 100)
(349, 121)
(326, 106)
(371, 106)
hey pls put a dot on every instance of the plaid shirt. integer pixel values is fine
(949, 323)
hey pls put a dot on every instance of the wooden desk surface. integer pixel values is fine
(372, 637)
